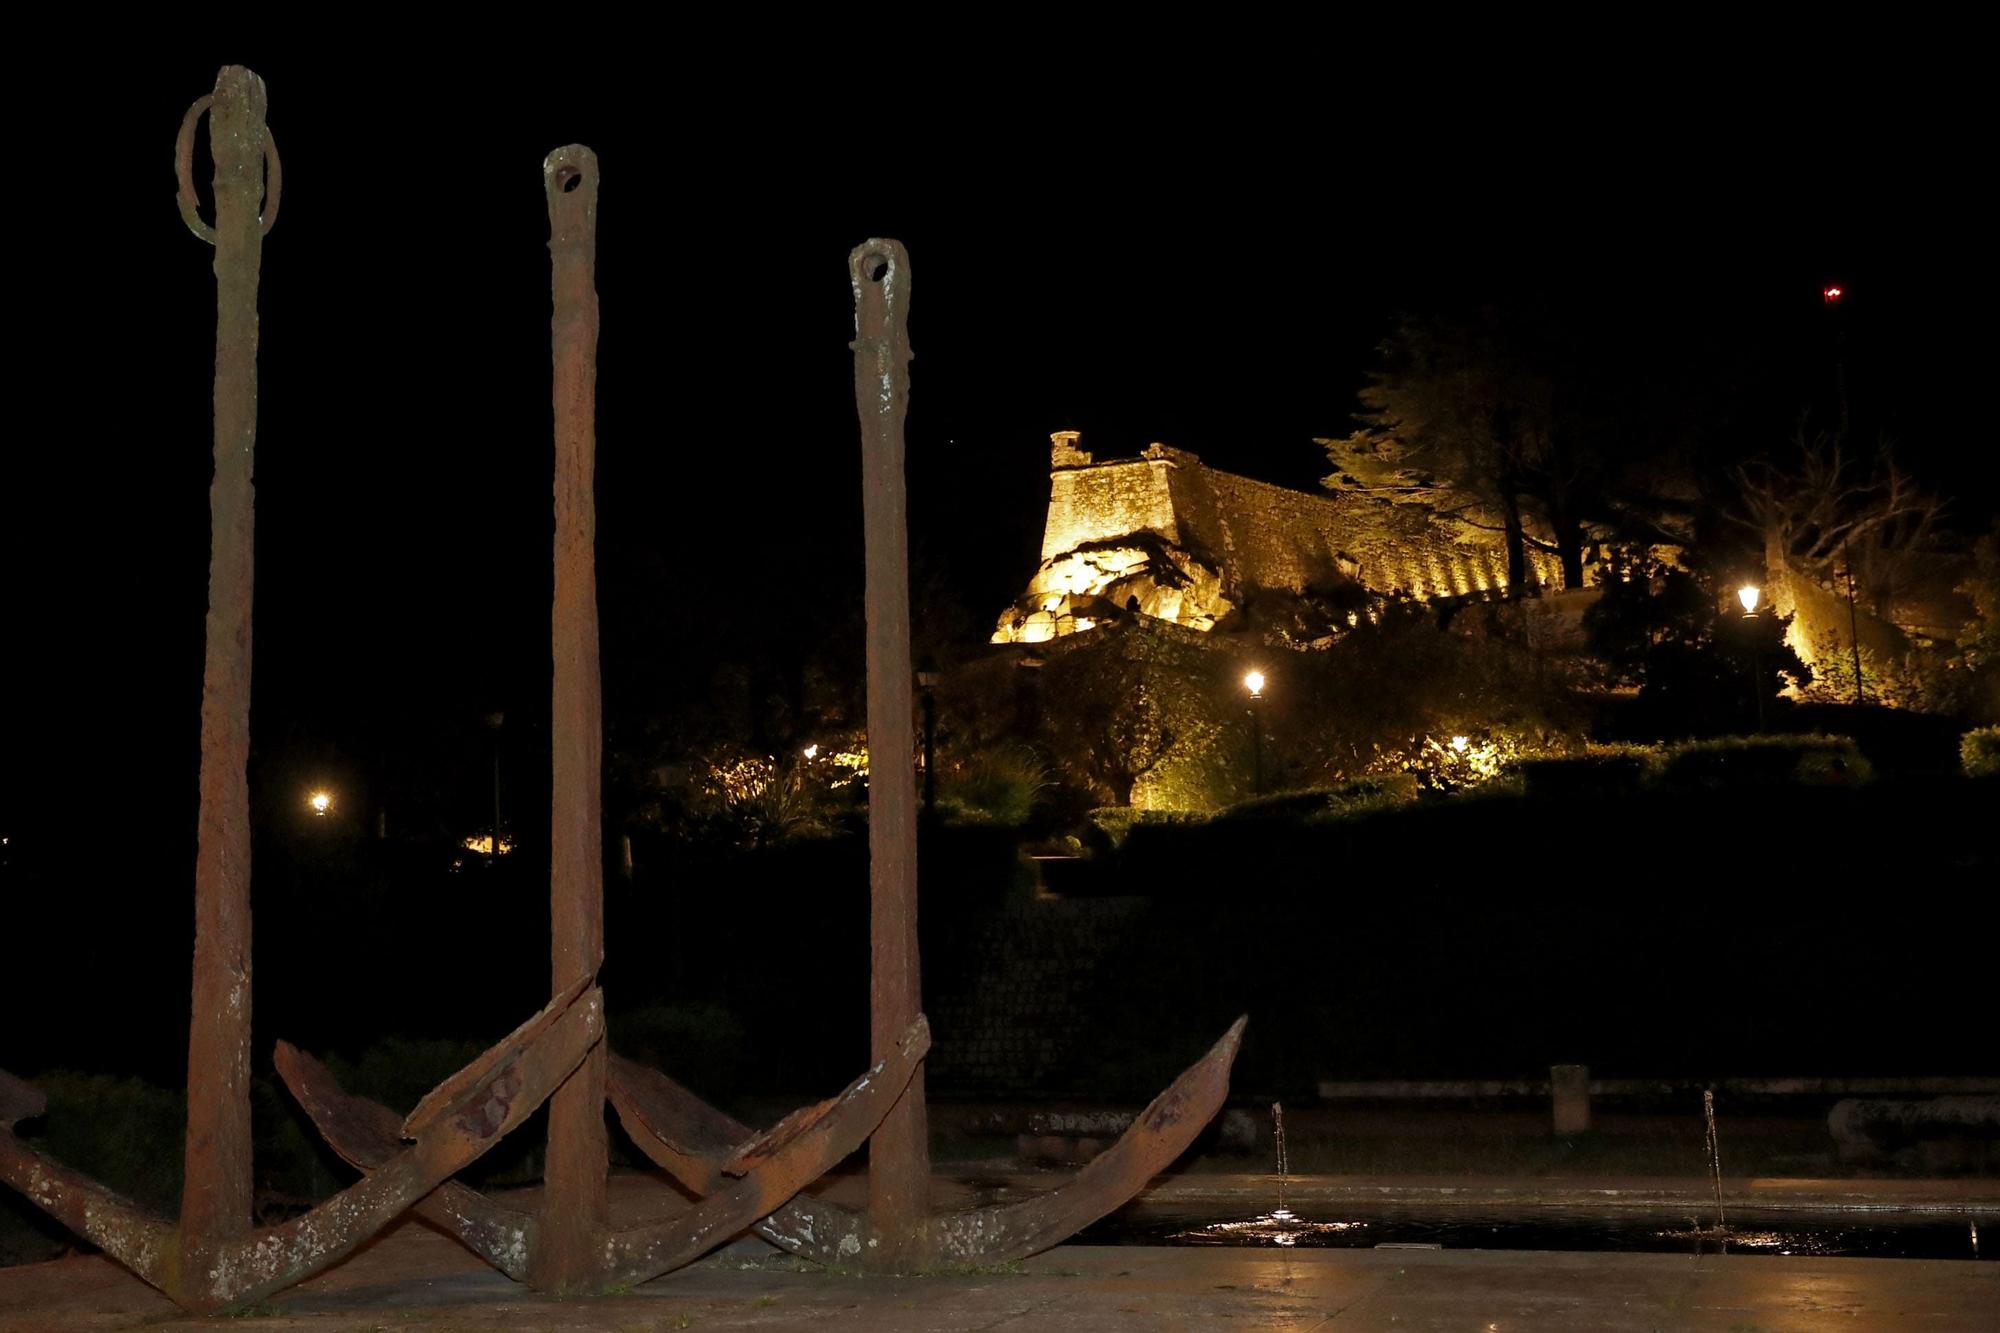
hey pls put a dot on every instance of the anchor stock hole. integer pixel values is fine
(569, 178)
(875, 267)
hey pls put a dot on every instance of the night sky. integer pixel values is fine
(1173, 259)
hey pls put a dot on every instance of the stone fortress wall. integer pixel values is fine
(1250, 534)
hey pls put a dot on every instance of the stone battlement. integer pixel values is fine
(1165, 535)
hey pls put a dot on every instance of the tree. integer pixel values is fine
(1979, 638)
(1484, 419)
(1701, 666)
(1826, 509)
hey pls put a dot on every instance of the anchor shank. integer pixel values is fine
(899, 1152)
(575, 1214)
(215, 1205)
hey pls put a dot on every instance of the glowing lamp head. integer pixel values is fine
(321, 802)
(1832, 295)
(812, 751)
(1459, 743)
(1748, 595)
(1254, 682)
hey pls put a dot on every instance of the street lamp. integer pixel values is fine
(927, 681)
(494, 721)
(321, 802)
(1748, 595)
(1253, 681)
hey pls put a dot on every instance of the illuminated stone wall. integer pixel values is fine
(1228, 536)
(1102, 501)
(1273, 537)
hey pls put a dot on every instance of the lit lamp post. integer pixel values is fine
(1749, 594)
(1254, 682)
(927, 680)
(494, 721)
(319, 803)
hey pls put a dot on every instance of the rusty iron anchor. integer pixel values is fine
(692, 1141)
(569, 1246)
(213, 1258)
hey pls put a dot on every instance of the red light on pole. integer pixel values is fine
(1832, 295)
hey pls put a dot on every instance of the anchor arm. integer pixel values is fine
(804, 1147)
(366, 1135)
(369, 1137)
(517, 1080)
(514, 1078)
(693, 1141)
(108, 1220)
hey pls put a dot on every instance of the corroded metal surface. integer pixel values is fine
(215, 1203)
(519, 1074)
(752, 1176)
(697, 1144)
(569, 1246)
(693, 1142)
(810, 1149)
(899, 1169)
(367, 1135)
(19, 1100)
(574, 1211)
(213, 1259)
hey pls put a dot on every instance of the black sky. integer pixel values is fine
(1165, 258)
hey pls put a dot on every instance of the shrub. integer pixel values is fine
(999, 785)
(1379, 792)
(1730, 761)
(122, 1133)
(702, 1045)
(1461, 762)
(740, 798)
(1116, 822)
(1979, 751)
(1383, 791)
(1601, 770)
(400, 1071)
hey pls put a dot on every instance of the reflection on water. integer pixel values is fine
(1725, 1240)
(1375, 1227)
(1277, 1227)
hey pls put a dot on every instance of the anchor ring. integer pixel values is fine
(274, 176)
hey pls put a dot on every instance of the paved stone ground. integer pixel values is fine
(416, 1279)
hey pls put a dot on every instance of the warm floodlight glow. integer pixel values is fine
(1254, 682)
(1459, 743)
(320, 801)
(1748, 594)
(812, 751)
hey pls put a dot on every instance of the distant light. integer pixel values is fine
(321, 802)
(812, 751)
(1459, 743)
(1254, 682)
(1748, 594)
(1832, 295)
